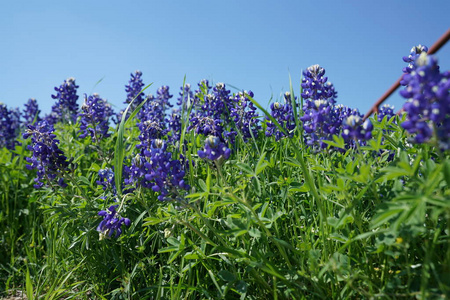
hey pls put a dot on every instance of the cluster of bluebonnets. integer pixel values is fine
(428, 98)
(221, 119)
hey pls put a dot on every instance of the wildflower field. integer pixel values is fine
(208, 195)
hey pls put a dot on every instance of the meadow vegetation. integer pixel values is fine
(220, 198)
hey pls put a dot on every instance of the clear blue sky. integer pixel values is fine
(253, 45)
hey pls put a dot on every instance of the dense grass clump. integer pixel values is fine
(216, 199)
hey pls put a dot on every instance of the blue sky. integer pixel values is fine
(253, 45)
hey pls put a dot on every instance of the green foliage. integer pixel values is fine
(274, 221)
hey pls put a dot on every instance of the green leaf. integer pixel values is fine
(84, 180)
(226, 276)
(257, 185)
(253, 232)
(261, 165)
(246, 168)
(168, 249)
(173, 241)
(29, 285)
(446, 171)
(190, 255)
(339, 237)
(383, 217)
(153, 221)
(202, 185)
(338, 142)
(241, 287)
(302, 189)
(393, 172)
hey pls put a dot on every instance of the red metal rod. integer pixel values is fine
(433, 49)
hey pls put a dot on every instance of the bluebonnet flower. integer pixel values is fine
(316, 86)
(385, 110)
(94, 121)
(320, 119)
(47, 158)
(186, 96)
(112, 223)
(66, 108)
(428, 104)
(31, 112)
(152, 124)
(284, 115)
(154, 168)
(414, 53)
(108, 183)
(133, 90)
(9, 126)
(163, 95)
(107, 179)
(174, 126)
(218, 102)
(211, 110)
(155, 107)
(214, 150)
(243, 113)
(354, 128)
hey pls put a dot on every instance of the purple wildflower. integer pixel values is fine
(186, 96)
(211, 112)
(174, 125)
(428, 104)
(9, 126)
(94, 121)
(47, 158)
(284, 115)
(415, 52)
(385, 110)
(243, 113)
(316, 86)
(355, 129)
(214, 150)
(66, 108)
(320, 120)
(133, 88)
(31, 112)
(112, 223)
(107, 179)
(154, 168)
